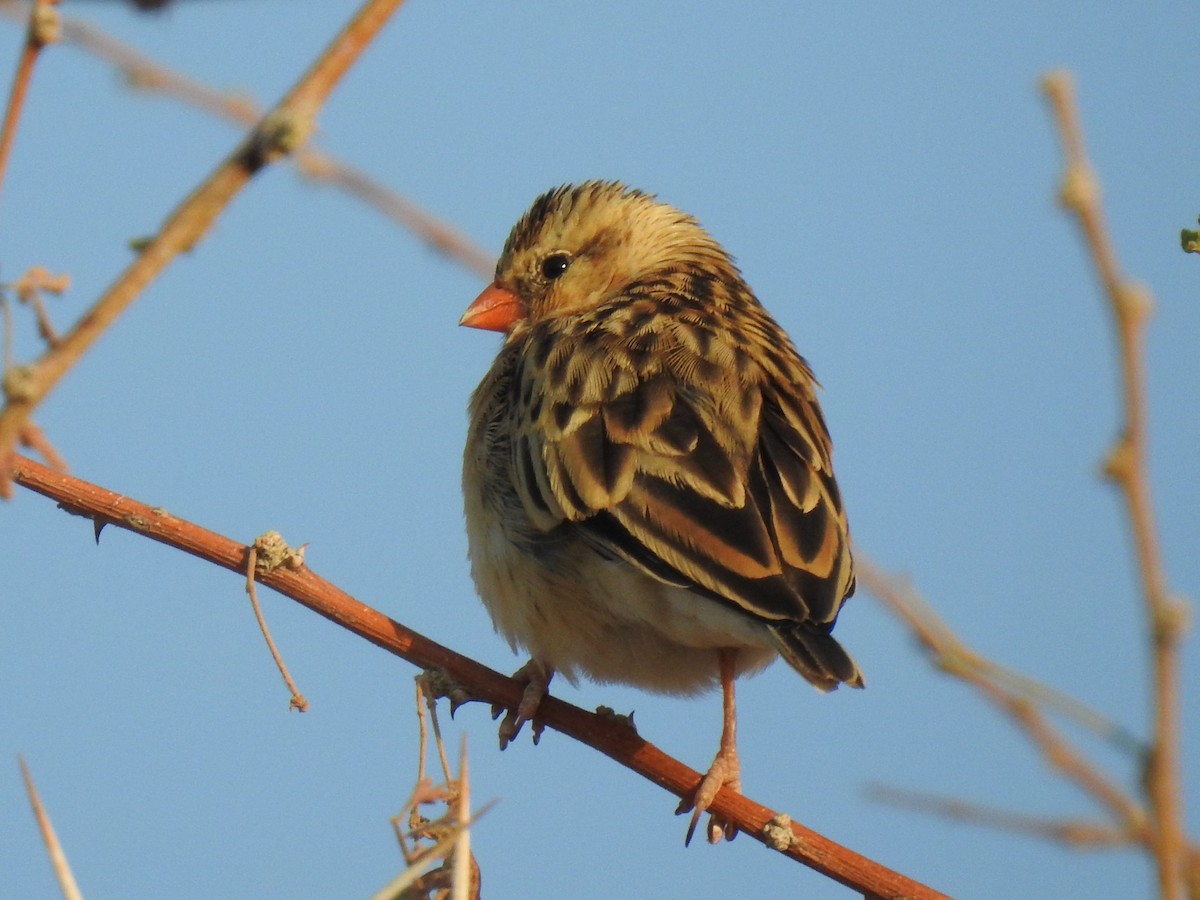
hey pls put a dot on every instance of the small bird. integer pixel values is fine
(649, 493)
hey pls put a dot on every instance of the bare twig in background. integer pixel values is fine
(1126, 465)
(58, 859)
(612, 738)
(948, 652)
(144, 73)
(43, 29)
(277, 134)
(29, 289)
(1024, 707)
(1076, 833)
(1025, 701)
(34, 438)
(1158, 826)
(433, 231)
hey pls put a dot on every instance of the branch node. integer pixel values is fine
(274, 552)
(278, 134)
(45, 25)
(1118, 464)
(1079, 190)
(20, 384)
(1172, 620)
(1134, 302)
(778, 834)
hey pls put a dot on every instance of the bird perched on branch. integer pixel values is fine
(649, 492)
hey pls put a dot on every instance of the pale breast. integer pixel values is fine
(584, 613)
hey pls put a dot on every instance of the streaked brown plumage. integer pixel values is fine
(649, 492)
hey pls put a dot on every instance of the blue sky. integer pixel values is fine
(885, 176)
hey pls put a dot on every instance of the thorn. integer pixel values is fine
(97, 527)
(623, 719)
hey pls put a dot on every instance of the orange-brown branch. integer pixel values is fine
(42, 30)
(1127, 465)
(950, 654)
(147, 74)
(279, 132)
(602, 733)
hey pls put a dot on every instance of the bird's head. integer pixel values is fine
(579, 245)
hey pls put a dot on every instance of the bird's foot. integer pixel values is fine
(536, 676)
(438, 683)
(725, 771)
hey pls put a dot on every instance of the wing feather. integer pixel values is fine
(716, 477)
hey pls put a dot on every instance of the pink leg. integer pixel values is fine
(725, 770)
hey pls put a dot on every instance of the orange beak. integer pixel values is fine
(495, 309)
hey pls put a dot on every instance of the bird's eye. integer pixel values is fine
(554, 265)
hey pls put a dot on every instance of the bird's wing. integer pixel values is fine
(668, 444)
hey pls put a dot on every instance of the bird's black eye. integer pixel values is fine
(554, 265)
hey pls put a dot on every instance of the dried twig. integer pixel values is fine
(1076, 833)
(277, 134)
(603, 733)
(58, 859)
(953, 656)
(464, 878)
(145, 73)
(43, 29)
(1166, 616)
(270, 551)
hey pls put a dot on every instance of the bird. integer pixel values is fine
(648, 484)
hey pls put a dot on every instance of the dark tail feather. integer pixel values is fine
(817, 656)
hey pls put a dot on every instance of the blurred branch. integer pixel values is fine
(58, 859)
(143, 73)
(1023, 706)
(275, 135)
(473, 680)
(42, 30)
(446, 838)
(1166, 616)
(28, 289)
(1080, 834)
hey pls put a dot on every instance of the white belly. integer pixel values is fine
(606, 620)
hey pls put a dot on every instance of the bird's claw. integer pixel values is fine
(537, 677)
(438, 683)
(725, 771)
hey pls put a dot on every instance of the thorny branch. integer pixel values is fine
(471, 679)
(1126, 465)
